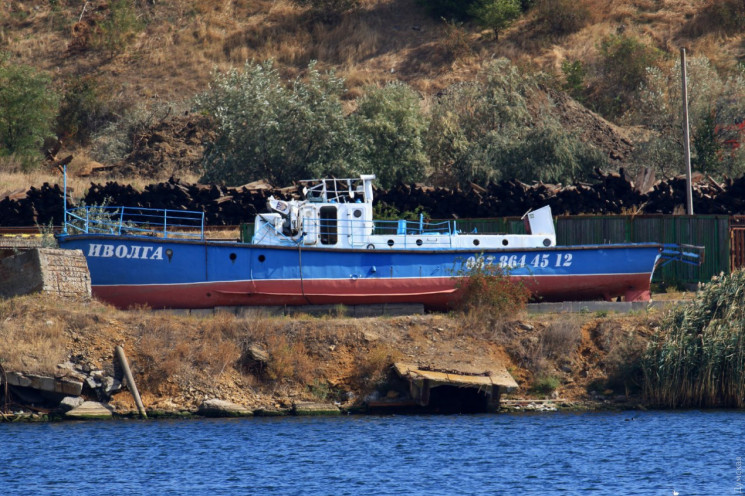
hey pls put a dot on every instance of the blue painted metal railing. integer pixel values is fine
(135, 221)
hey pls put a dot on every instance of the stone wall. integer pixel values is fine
(47, 270)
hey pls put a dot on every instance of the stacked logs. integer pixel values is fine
(612, 193)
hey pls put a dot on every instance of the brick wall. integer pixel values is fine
(47, 270)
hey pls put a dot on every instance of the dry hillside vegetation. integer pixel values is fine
(182, 41)
(179, 361)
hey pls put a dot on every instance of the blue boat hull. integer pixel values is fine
(167, 273)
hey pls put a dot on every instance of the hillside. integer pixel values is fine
(154, 54)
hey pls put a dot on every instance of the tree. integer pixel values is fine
(623, 69)
(496, 15)
(474, 123)
(266, 130)
(716, 108)
(391, 128)
(28, 105)
(550, 154)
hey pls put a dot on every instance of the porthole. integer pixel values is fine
(233, 256)
(209, 295)
(475, 242)
(546, 242)
(419, 242)
(371, 246)
(505, 242)
(390, 242)
(357, 213)
(262, 258)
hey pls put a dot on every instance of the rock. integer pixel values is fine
(92, 383)
(90, 410)
(221, 408)
(525, 326)
(312, 408)
(67, 370)
(70, 402)
(257, 354)
(111, 385)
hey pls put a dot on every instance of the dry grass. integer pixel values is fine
(28, 343)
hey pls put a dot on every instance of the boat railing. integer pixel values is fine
(688, 254)
(414, 227)
(135, 221)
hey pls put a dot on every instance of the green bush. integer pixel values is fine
(552, 155)
(474, 123)
(268, 131)
(114, 140)
(623, 69)
(574, 74)
(119, 27)
(82, 110)
(496, 15)
(28, 105)
(545, 385)
(483, 132)
(391, 128)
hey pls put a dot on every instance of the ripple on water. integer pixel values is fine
(599, 453)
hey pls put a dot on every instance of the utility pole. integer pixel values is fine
(686, 136)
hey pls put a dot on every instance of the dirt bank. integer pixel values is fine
(266, 363)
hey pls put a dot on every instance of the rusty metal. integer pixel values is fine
(737, 247)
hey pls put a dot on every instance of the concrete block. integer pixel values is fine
(221, 408)
(312, 408)
(54, 271)
(90, 410)
(64, 385)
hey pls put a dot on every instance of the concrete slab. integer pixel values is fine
(599, 306)
(307, 408)
(497, 375)
(66, 386)
(90, 410)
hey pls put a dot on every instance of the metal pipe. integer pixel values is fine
(130, 381)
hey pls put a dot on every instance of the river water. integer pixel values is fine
(634, 453)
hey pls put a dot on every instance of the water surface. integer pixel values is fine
(644, 453)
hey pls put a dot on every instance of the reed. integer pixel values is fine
(697, 359)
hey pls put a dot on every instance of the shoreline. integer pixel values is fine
(256, 364)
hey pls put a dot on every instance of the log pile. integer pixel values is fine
(611, 193)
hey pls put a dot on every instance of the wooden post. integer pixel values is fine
(130, 381)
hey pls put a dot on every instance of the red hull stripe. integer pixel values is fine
(432, 292)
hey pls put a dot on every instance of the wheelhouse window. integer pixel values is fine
(328, 225)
